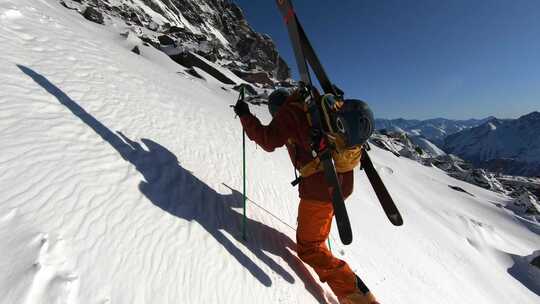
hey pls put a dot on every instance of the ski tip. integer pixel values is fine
(345, 235)
(396, 219)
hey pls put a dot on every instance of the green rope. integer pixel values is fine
(329, 245)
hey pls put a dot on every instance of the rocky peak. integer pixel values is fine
(214, 29)
(525, 202)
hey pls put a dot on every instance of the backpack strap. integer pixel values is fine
(344, 161)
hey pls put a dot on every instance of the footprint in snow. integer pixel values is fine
(385, 170)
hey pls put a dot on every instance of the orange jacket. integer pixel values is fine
(290, 122)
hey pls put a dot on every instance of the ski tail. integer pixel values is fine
(342, 218)
(386, 201)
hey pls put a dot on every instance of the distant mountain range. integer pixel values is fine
(510, 146)
(435, 130)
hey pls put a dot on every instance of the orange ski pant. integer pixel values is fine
(314, 222)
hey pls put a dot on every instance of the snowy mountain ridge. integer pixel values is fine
(435, 130)
(508, 146)
(424, 152)
(214, 29)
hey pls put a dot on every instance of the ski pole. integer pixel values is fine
(244, 236)
(241, 98)
(244, 218)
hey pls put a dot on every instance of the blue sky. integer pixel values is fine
(423, 58)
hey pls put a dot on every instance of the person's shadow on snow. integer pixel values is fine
(177, 191)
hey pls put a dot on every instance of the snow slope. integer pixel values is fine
(119, 180)
(427, 146)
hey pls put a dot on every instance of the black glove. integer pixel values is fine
(306, 91)
(241, 108)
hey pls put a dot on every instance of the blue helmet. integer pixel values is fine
(355, 121)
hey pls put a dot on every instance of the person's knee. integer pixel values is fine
(314, 256)
(308, 253)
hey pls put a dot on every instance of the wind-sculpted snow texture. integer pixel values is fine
(119, 179)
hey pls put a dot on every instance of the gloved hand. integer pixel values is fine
(241, 108)
(304, 91)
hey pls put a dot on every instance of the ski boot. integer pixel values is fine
(359, 298)
(362, 295)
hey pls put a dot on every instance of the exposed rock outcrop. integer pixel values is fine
(400, 144)
(189, 60)
(93, 15)
(216, 30)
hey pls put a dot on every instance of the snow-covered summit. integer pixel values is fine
(435, 130)
(508, 146)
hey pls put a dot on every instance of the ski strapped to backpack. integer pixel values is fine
(329, 118)
(319, 144)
